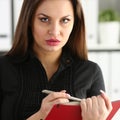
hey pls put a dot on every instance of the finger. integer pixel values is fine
(83, 107)
(64, 91)
(83, 104)
(102, 107)
(107, 100)
(101, 102)
(89, 104)
(94, 103)
(103, 110)
(55, 95)
(59, 101)
(95, 107)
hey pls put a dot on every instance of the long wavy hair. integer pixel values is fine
(23, 38)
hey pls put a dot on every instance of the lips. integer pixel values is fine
(53, 42)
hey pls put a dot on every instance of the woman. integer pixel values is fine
(49, 52)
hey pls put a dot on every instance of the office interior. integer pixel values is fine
(101, 50)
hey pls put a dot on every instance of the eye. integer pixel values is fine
(44, 19)
(65, 20)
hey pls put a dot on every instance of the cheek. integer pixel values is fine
(68, 32)
(38, 33)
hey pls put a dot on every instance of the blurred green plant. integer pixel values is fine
(108, 15)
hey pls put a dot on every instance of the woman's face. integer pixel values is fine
(52, 24)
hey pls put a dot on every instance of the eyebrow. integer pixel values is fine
(50, 17)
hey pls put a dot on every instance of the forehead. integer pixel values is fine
(55, 7)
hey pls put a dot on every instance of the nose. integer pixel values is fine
(54, 29)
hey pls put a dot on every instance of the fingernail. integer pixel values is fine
(68, 95)
(102, 91)
(64, 91)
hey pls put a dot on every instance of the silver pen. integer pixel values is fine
(70, 98)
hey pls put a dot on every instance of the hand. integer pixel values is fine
(96, 107)
(52, 99)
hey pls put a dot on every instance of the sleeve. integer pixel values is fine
(97, 82)
(8, 89)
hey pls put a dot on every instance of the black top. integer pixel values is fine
(23, 79)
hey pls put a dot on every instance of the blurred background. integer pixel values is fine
(102, 18)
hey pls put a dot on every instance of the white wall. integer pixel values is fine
(5, 25)
(17, 8)
(114, 4)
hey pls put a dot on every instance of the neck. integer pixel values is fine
(50, 61)
(49, 57)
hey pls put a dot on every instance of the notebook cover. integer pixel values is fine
(73, 112)
(116, 107)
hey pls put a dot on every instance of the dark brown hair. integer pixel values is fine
(23, 38)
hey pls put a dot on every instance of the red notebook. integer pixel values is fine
(72, 111)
